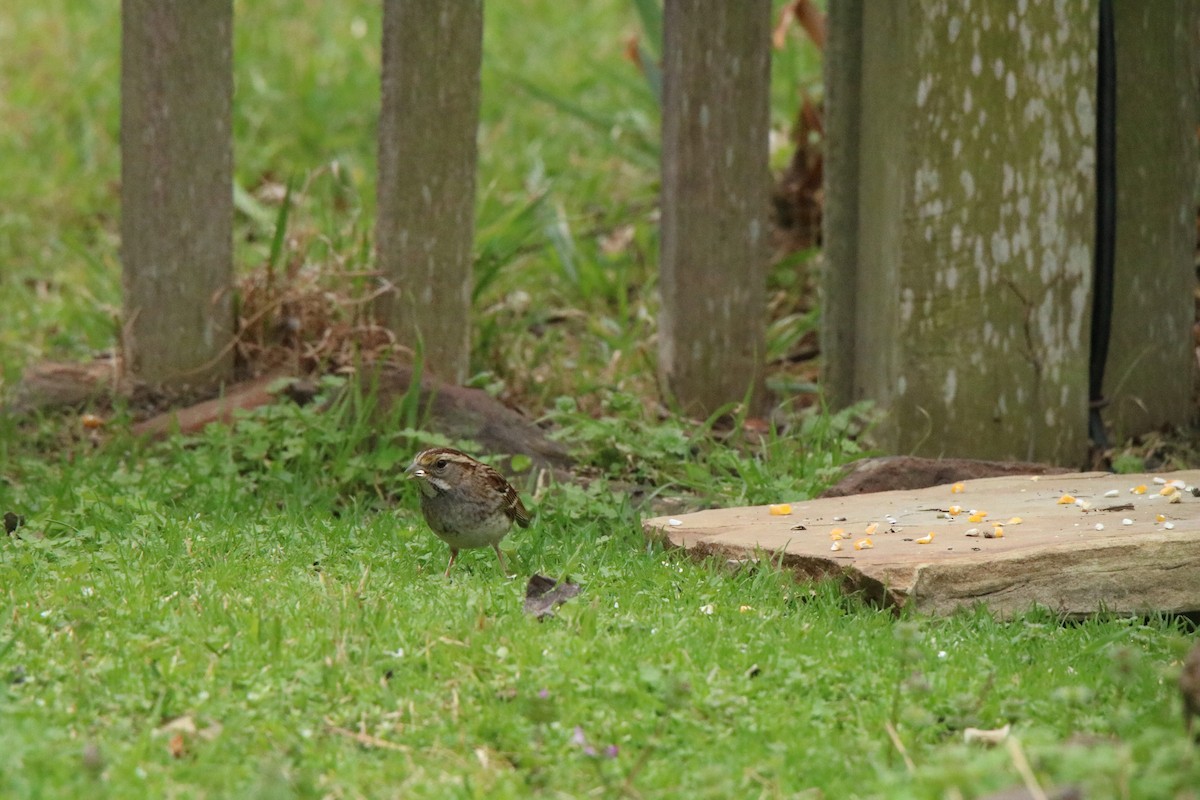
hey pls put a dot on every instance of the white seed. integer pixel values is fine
(1169, 526)
(674, 523)
(1127, 521)
(1159, 481)
(839, 519)
(1112, 493)
(1099, 526)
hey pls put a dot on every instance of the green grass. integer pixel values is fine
(273, 586)
(259, 611)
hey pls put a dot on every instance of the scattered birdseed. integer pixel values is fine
(1112, 493)
(976, 517)
(839, 519)
(1169, 526)
(674, 523)
(837, 533)
(780, 509)
(954, 511)
(871, 528)
(1160, 518)
(1099, 526)
(1084, 505)
(1127, 521)
(835, 546)
(972, 532)
(863, 544)
(1168, 490)
(926, 539)
(707, 609)
(1015, 521)
(1066, 500)
(958, 488)
(1175, 498)
(1139, 489)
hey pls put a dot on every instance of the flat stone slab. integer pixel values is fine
(1104, 548)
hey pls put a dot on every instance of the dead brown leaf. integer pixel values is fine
(542, 594)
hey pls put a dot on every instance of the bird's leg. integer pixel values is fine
(453, 557)
(500, 556)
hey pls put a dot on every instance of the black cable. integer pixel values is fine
(1106, 223)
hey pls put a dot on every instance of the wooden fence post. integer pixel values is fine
(968, 290)
(715, 190)
(427, 155)
(1150, 370)
(176, 190)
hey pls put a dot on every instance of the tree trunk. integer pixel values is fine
(1151, 362)
(427, 156)
(176, 190)
(716, 186)
(970, 288)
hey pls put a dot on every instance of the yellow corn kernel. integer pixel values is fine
(976, 517)
(998, 532)
(1066, 500)
(958, 488)
(1139, 489)
(745, 609)
(780, 509)
(874, 526)
(926, 539)
(863, 544)
(1015, 521)
(954, 511)
(837, 533)
(1160, 517)
(1168, 490)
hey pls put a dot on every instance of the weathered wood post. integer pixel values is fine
(176, 190)
(960, 227)
(1148, 377)
(427, 155)
(966, 182)
(715, 190)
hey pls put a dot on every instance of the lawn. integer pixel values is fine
(259, 611)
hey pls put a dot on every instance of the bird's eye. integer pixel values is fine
(440, 464)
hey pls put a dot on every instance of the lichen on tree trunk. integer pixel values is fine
(975, 197)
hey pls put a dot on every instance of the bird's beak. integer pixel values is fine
(414, 471)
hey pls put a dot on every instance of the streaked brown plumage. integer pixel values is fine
(466, 502)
